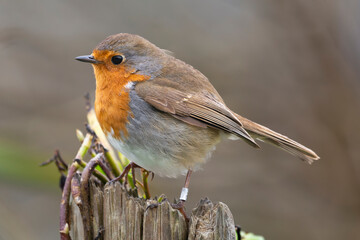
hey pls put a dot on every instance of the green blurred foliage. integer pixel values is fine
(250, 236)
(21, 165)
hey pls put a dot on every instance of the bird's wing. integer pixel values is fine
(201, 109)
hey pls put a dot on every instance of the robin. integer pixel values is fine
(163, 114)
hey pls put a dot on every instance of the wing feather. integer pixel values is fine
(193, 108)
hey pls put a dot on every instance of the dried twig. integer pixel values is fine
(97, 173)
(84, 192)
(75, 189)
(60, 165)
(64, 205)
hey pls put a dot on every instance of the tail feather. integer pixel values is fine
(267, 135)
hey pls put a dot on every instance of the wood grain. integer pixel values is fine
(117, 215)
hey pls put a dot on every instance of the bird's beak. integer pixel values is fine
(87, 58)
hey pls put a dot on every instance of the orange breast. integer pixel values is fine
(112, 98)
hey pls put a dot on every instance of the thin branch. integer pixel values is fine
(75, 189)
(61, 160)
(98, 174)
(60, 163)
(85, 209)
(52, 159)
(145, 174)
(84, 146)
(64, 205)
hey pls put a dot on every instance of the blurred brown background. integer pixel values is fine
(290, 65)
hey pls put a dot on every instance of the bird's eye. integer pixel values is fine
(117, 59)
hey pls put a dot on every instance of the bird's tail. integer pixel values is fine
(267, 135)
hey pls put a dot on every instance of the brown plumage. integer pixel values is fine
(267, 135)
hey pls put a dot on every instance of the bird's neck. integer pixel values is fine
(112, 100)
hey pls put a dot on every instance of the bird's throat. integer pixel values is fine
(112, 99)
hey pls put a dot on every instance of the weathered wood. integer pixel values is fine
(211, 222)
(76, 225)
(123, 214)
(124, 217)
(164, 223)
(96, 203)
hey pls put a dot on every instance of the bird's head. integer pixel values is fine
(124, 55)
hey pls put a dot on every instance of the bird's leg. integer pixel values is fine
(130, 166)
(183, 196)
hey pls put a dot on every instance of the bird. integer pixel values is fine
(163, 114)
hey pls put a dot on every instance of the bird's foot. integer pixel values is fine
(180, 205)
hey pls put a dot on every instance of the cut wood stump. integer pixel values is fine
(115, 214)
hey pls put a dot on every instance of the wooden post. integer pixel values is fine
(117, 215)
